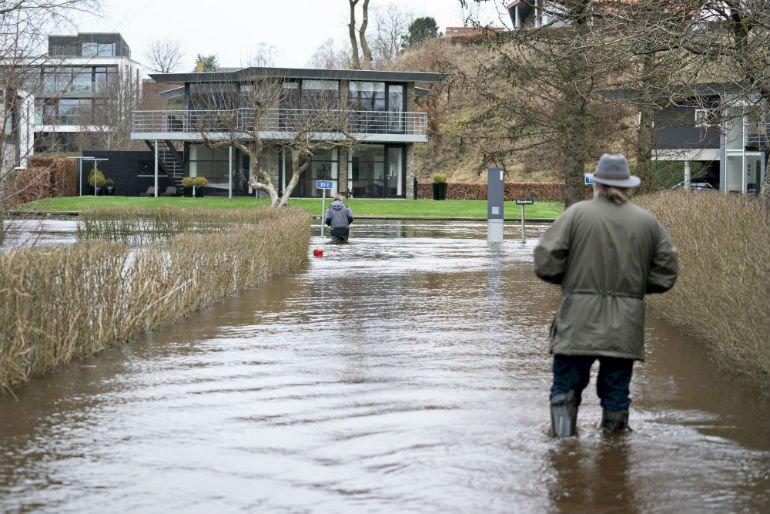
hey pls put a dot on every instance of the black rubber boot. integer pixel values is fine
(564, 415)
(614, 422)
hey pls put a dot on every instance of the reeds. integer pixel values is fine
(138, 225)
(723, 290)
(63, 303)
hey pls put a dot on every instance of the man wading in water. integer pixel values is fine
(339, 217)
(606, 254)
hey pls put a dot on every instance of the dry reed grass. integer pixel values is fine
(139, 225)
(60, 304)
(723, 289)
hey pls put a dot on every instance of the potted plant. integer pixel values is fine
(96, 180)
(192, 184)
(439, 186)
(109, 188)
(187, 186)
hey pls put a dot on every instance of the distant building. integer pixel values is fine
(377, 106)
(73, 87)
(710, 125)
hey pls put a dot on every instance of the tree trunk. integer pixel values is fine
(260, 180)
(355, 62)
(365, 50)
(643, 148)
(297, 169)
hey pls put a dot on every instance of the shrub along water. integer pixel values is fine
(723, 289)
(63, 303)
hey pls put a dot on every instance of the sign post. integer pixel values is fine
(521, 203)
(323, 185)
(495, 205)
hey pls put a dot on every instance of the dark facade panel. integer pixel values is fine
(124, 167)
(675, 128)
(72, 46)
(687, 138)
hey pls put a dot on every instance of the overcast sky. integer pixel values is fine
(233, 28)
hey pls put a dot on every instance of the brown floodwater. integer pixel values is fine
(405, 372)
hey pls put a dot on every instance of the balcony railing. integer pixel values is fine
(280, 121)
(756, 133)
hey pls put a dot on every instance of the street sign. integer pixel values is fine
(324, 184)
(525, 202)
(588, 180)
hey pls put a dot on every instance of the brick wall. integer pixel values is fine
(513, 190)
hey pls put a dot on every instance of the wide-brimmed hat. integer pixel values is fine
(613, 171)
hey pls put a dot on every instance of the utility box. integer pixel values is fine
(495, 204)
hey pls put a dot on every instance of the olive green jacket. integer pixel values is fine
(606, 257)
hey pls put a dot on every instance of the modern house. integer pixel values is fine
(378, 108)
(709, 124)
(74, 84)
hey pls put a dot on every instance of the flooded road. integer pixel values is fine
(405, 372)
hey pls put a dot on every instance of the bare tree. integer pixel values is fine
(391, 27)
(165, 55)
(330, 56)
(24, 26)
(263, 55)
(359, 38)
(112, 115)
(261, 117)
(733, 41)
(547, 81)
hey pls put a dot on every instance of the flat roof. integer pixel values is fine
(244, 74)
(695, 90)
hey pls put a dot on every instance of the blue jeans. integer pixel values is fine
(612, 385)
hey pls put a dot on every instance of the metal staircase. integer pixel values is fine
(170, 161)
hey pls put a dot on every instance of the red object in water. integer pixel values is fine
(318, 252)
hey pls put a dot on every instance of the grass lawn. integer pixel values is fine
(360, 207)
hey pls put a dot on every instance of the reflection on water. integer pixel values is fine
(404, 372)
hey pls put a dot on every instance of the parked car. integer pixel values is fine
(697, 184)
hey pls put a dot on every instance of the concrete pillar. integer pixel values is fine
(687, 175)
(495, 205)
(342, 171)
(409, 171)
(156, 168)
(230, 171)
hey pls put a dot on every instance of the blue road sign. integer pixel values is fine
(588, 180)
(324, 184)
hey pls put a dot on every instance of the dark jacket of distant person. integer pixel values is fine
(338, 215)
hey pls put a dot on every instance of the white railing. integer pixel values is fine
(280, 121)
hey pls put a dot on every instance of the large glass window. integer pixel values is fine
(395, 172)
(68, 111)
(81, 80)
(210, 163)
(74, 112)
(366, 171)
(376, 171)
(320, 94)
(103, 76)
(91, 49)
(395, 108)
(367, 96)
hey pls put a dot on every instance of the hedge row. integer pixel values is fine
(541, 191)
(45, 177)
